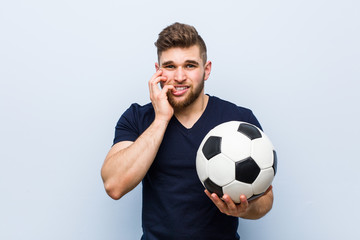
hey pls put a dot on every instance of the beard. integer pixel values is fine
(192, 96)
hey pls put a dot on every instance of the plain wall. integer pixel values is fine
(68, 70)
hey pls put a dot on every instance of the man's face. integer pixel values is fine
(186, 71)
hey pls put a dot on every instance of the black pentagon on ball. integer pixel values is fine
(212, 147)
(249, 130)
(213, 187)
(274, 166)
(246, 170)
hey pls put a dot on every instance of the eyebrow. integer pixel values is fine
(186, 62)
(192, 62)
(167, 63)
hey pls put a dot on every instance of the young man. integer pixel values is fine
(156, 144)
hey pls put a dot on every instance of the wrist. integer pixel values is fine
(163, 117)
(161, 121)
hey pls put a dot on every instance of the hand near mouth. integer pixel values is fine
(158, 97)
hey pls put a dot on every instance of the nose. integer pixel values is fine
(179, 75)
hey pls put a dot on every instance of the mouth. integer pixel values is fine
(180, 90)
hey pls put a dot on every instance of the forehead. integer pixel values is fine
(181, 55)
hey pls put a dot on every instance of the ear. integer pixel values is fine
(207, 69)
(157, 66)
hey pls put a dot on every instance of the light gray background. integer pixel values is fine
(69, 68)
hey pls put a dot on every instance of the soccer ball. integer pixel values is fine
(236, 158)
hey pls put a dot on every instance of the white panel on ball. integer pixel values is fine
(236, 188)
(221, 170)
(236, 146)
(222, 129)
(262, 152)
(263, 181)
(201, 166)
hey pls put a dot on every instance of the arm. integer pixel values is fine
(127, 162)
(254, 209)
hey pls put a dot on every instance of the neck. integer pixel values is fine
(189, 115)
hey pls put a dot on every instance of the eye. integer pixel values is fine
(169, 67)
(190, 66)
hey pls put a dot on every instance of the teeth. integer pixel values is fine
(180, 88)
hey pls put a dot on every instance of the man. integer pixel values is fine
(156, 144)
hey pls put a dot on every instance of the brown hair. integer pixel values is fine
(180, 35)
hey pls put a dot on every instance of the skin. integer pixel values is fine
(184, 68)
(254, 209)
(181, 73)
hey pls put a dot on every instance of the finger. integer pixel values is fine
(243, 201)
(154, 77)
(210, 195)
(156, 74)
(167, 88)
(219, 203)
(207, 193)
(157, 77)
(153, 83)
(230, 203)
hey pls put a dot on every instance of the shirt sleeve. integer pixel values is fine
(253, 120)
(248, 116)
(127, 128)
